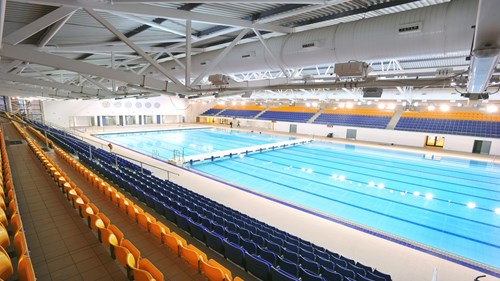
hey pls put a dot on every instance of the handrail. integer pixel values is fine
(156, 167)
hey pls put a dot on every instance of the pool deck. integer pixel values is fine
(403, 262)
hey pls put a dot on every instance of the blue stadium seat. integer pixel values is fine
(308, 264)
(215, 241)
(306, 275)
(288, 266)
(330, 274)
(234, 253)
(345, 272)
(280, 275)
(258, 267)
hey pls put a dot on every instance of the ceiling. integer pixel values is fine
(100, 49)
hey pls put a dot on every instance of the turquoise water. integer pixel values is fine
(447, 204)
(187, 142)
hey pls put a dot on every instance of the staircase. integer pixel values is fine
(258, 115)
(394, 120)
(311, 120)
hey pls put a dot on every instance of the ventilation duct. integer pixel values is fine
(483, 63)
(436, 31)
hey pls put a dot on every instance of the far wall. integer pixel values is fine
(78, 113)
(404, 138)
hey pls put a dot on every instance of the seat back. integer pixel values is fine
(146, 265)
(158, 229)
(258, 266)
(4, 237)
(225, 271)
(6, 269)
(213, 273)
(20, 244)
(172, 242)
(25, 271)
(190, 256)
(199, 252)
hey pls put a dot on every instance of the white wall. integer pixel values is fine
(64, 113)
(414, 139)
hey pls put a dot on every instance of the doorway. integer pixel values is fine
(481, 147)
(351, 134)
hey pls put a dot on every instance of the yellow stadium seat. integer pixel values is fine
(20, 244)
(6, 269)
(147, 272)
(4, 237)
(25, 271)
(158, 229)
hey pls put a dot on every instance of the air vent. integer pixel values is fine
(173, 68)
(310, 45)
(410, 28)
(204, 62)
(248, 55)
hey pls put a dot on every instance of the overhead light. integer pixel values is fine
(491, 108)
(348, 105)
(431, 107)
(404, 103)
(459, 104)
(391, 106)
(381, 106)
(341, 105)
(314, 104)
(308, 104)
(444, 107)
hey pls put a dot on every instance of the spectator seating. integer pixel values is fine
(12, 238)
(213, 111)
(455, 123)
(246, 112)
(369, 118)
(296, 114)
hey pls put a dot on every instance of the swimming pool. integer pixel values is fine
(187, 142)
(449, 205)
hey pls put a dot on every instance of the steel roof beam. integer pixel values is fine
(28, 30)
(216, 61)
(53, 30)
(30, 55)
(143, 9)
(133, 46)
(51, 84)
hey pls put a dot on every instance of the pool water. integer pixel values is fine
(423, 200)
(187, 142)
(452, 205)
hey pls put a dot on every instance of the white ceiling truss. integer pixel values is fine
(112, 49)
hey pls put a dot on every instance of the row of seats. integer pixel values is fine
(195, 257)
(452, 115)
(446, 126)
(121, 249)
(249, 114)
(299, 117)
(13, 246)
(379, 122)
(238, 237)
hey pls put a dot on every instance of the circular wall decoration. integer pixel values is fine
(138, 105)
(157, 105)
(147, 105)
(128, 104)
(117, 104)
(106, 104)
